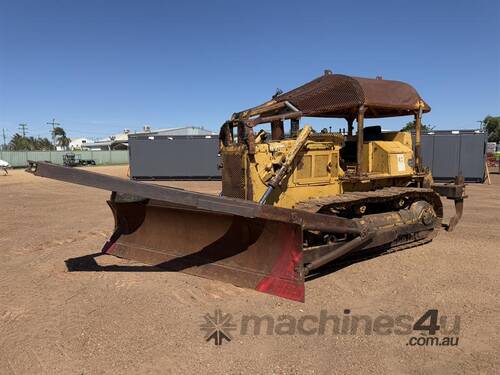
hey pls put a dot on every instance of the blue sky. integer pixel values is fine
(100, 66)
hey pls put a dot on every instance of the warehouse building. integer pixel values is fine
(120, 141)
(171, 154)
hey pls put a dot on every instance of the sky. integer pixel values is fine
(99, 67)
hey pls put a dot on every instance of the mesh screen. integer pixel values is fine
(337, 95)
(329, 93)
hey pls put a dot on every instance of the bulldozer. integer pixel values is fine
(293, 200)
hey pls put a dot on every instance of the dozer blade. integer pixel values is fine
(259, 254)
(227, 239)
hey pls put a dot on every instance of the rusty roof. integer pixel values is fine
(337, 95)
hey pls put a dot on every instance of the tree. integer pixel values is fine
(20, 143)
(60, 136)
(410, 126)
(492, 126)
(42, 144)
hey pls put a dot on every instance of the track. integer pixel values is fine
(356, 205)
(383, 200)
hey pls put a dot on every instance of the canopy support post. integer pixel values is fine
(359, 160)
(277, 130)
(418, 139)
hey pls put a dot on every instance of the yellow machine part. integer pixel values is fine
(317, 171)
(387, 158)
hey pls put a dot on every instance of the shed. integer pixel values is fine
(448, 153)
(162, 157)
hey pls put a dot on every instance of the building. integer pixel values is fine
(113, 142)
(449, 153)
(79, 143)
(120, 141)
(181, 131)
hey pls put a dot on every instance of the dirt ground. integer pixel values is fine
(56, 321)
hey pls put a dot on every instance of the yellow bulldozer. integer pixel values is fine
(293, 200)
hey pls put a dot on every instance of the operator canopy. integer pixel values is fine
(337, 95)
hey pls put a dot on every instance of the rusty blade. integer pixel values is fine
(260, 254)
(197, 201)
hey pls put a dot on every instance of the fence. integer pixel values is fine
(20, 158)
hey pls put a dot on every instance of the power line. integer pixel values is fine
(22, 128)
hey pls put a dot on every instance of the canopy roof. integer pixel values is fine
(336, 95)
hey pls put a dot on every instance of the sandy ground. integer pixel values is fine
(56, 321)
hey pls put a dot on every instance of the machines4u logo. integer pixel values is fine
(218, 327)
(429, 329)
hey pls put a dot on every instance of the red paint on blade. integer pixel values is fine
(282, 280)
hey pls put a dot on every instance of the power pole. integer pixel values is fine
(22, 128)
(4, 139)
(53, 123)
